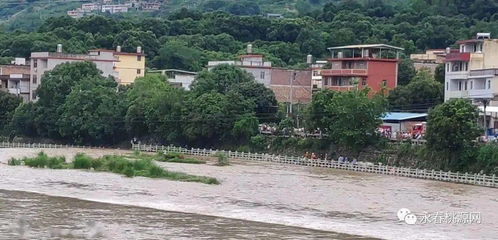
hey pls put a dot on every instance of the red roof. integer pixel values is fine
(251, 55)
(454, 57)
(469, 41)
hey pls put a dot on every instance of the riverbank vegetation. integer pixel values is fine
(142, 167)
(225, 105)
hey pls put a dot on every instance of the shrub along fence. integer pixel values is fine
(455, 177)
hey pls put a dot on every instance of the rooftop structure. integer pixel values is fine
(429, 60)
(359, 66)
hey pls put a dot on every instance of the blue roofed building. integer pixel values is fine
(396, 124)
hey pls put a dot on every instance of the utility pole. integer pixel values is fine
(292, 78)
(485, 103)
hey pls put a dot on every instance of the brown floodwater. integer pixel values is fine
(254, 200)
(34, 216)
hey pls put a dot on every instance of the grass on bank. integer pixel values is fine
(167, 157)
(116, 164)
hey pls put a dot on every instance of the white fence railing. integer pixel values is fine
(42, 145)
(455, 177)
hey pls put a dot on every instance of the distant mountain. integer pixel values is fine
(28, 14)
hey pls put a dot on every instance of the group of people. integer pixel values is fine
(341, 158)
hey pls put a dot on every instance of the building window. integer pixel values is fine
(471, 85)
(35, 79)
(384, 83)
(460, 86)
(139, 71)
(35, 63)
(447, 67)
(363, 81)
(447, 86)
(139, 58)
(34, 94)
(262, 75)
(315, 73)
(489, 84)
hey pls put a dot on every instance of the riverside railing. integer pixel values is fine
(42, 145)
(455, 177)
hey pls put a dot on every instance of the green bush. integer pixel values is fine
(487, 159)
(156, 171)
(56, 162)
(129, 172)
(40, 161)
(174, 155)
(82, 161)
(186, 160)
(222, 159)
(14, 162)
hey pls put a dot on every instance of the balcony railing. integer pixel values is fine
(344, 72)
(340, 88)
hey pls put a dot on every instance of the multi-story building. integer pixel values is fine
(112, 9)
(129, 66)
(14, 78)
(291, 86)
(90, 7)
(316, 75)
(429, 60)
(176, 77)
(77, 13)
(288, 85)
(472, 73)
(359, 66)
(252, 63)
(123, 67)
(150, 6)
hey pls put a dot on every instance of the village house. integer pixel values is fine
(14, 78)
(360, 66)
(124, 67)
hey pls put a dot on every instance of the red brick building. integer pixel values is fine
(291, 86)
(374, 66)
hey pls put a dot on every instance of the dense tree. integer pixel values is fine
(406, 71)
(93, 113)
(155, 109)
(440, 72)
(175, 54)
(225, 78)
(452, 126)
(55, 86)
(421, 94)
(8, 104)
(23, 120)
(350, 118)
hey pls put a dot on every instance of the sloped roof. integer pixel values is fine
(402, 116)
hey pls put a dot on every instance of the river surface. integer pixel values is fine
(254, 201)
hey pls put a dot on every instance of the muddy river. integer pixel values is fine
(255, 200)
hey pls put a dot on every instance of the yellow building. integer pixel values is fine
(126, 66)
(129, 66)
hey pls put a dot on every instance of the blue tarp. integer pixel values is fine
(402, 116)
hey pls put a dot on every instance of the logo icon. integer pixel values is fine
(407, 216)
